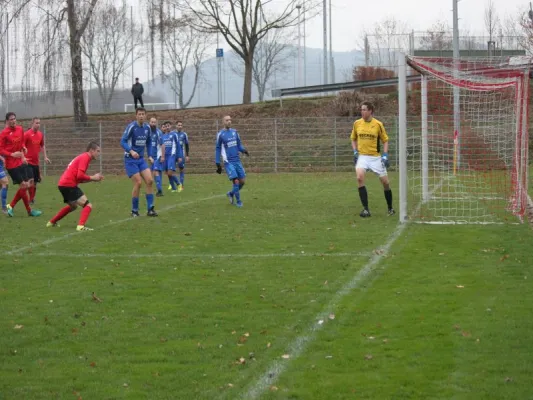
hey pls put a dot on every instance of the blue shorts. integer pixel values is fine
(234, 170)
(168, 165)
(135, 166)
(2, 171)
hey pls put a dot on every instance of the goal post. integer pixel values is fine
(464, 141)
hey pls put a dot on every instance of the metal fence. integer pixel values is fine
(275, 144)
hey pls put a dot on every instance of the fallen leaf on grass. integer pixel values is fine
(508, 379)
(268, 345)
(241, 361)
(459, 286)
(466, 334)
(273, 388)
(369, 357)
(243, 339)
(18, 327)
(75, 331)
(93, 364)
(286, 356)
(230, 385)
(331, 316)
(505, 257)
(456, 327)
(188, 233)
(163, 340)
(96, 298)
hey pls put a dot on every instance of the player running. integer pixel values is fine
(228, 147)
(76, 173)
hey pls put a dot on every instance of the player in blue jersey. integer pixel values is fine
(4, 182)
(135, 139)
(183, 140)
(227, 148)
(155, 152)
(172, 155)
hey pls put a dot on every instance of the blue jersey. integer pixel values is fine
(136, 137)
(183, 141)
(155, 141)
(170, 140)
(228, 146)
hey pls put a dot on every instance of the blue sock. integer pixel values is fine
(4, 197)
(158, 183)
(182, 177)
(176, 180)
(134, 204)
(149, 201)
(172, 182)
(236, 192)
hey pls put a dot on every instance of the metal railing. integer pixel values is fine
(275, 144)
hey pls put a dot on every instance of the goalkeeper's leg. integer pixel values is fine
(388, 194)
(363, 195)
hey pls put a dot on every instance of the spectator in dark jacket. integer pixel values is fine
(137, 91)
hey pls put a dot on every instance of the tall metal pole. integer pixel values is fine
(299, 48)
(325, 28)
(173, 63)
(132, 62)
(456, 89)
(402, 135)
(305, 53)
(331, 65)
(7, 62)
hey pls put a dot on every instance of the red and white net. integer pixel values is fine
(468, 153)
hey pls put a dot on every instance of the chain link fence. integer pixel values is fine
(275, 144)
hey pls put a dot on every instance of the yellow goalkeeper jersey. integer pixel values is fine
(369, 136)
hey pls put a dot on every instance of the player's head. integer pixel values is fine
(93, 149)
(35, 123)
(227, 121)
(179, 126)
(140, 114)
(153, 123)
(167, 126)
(11, 119)
(367, 110)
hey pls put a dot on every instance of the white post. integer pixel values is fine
(299, 49)
(305, 54)
(425, 145)
(402, 135)
(325, 31)
(456, 89)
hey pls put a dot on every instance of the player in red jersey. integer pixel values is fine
(13, 150)
(75, 174)
(34, 143)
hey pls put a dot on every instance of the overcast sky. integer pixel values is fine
(348, 15)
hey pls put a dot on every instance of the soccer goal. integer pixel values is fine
(463, 135)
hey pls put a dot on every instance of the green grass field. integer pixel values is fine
(291, 297)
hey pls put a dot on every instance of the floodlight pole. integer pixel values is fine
(456, 89)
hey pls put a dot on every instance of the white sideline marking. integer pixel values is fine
(120, 221)
(199, 255)
(298, 345)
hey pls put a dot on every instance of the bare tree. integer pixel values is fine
(492, 21)
(243, 24)
(271, 58)
(383, 44)
(109, 48)
(437, 37)
(186, 50)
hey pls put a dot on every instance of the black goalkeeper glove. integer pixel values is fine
(219, 169)
(246, 152)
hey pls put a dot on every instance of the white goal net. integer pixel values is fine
(465, 140)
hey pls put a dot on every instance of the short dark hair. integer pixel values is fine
(368, 105)
(167, 123)
(10, 114)
(140, 109)
(92, 146)
(179, 121)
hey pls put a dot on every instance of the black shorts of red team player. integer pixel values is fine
(70, 194)
(22, 173)
(36, 173)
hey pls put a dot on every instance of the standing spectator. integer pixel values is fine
(137, 91)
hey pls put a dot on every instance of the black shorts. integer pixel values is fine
(36, 172)
(22, 173)
(70, 194)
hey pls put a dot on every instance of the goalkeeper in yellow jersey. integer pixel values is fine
(368, 134)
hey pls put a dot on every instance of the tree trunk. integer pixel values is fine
(76, 70)
(248, 69)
